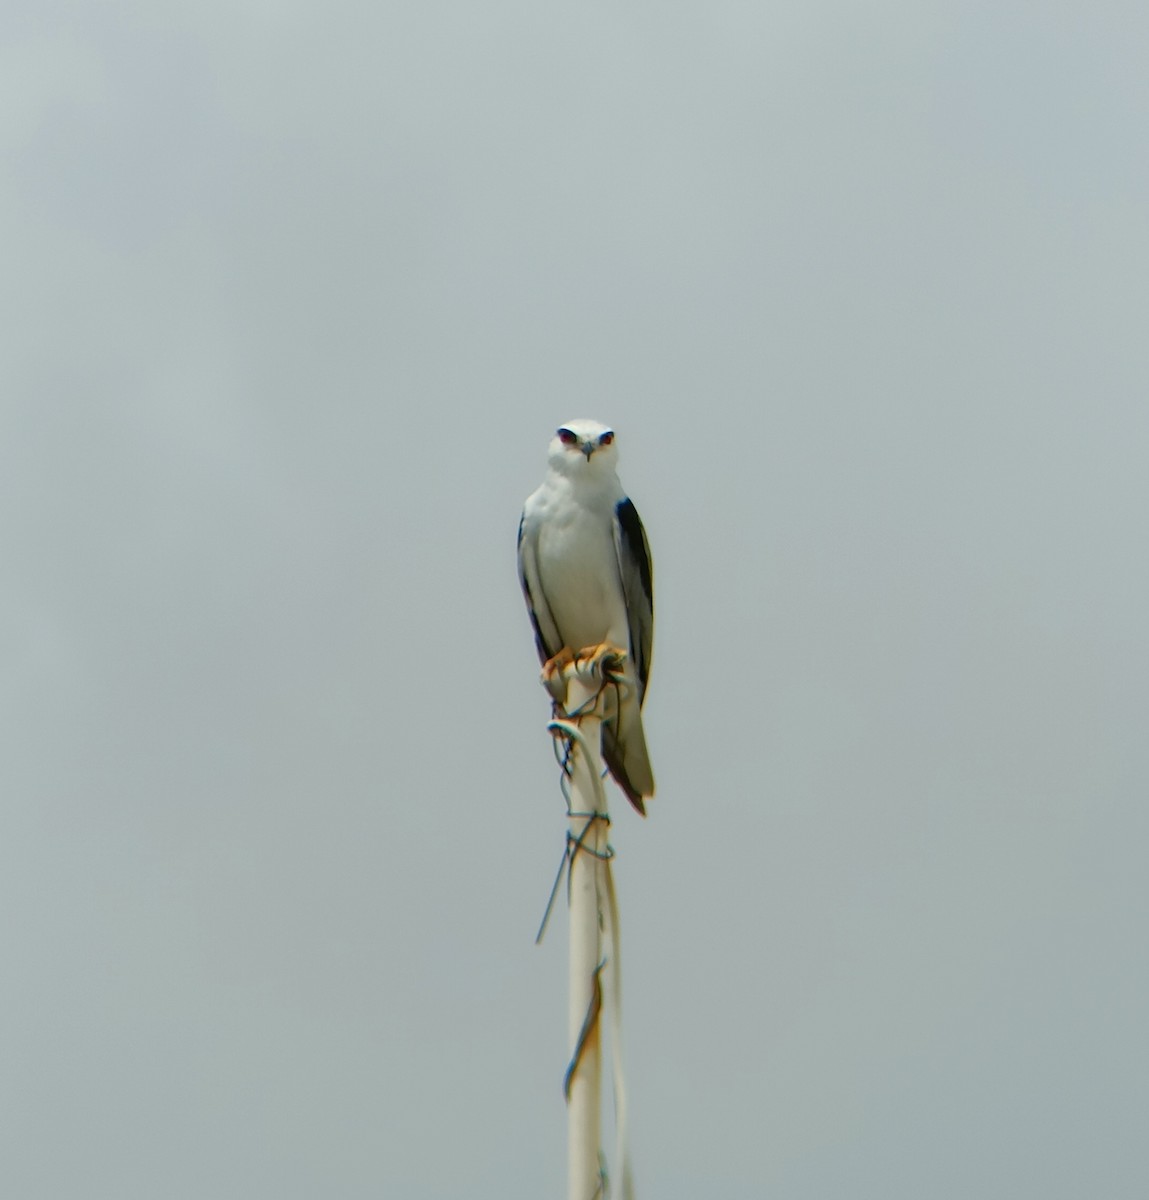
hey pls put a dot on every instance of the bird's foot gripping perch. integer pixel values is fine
(554, 667)
(592, 667)
(604, 658)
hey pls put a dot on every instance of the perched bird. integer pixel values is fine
(585, 570)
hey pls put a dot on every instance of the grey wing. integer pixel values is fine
(546, 631)
(637, 586)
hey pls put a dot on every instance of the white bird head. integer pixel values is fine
(583, 446)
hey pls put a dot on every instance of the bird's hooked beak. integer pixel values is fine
(588, 448)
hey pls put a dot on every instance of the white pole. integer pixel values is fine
(580, 690)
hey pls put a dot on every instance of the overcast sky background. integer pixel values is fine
(293, 298)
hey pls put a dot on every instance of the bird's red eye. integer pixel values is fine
(606, 439)
(566, 437)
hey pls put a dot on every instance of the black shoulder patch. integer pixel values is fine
(635, 537)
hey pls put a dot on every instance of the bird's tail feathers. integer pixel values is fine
(624, 749)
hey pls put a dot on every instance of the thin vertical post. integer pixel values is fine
(581, 692)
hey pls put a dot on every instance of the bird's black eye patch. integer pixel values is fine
(606, 438)
(566, 437)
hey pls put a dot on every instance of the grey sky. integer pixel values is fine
(293, 298)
